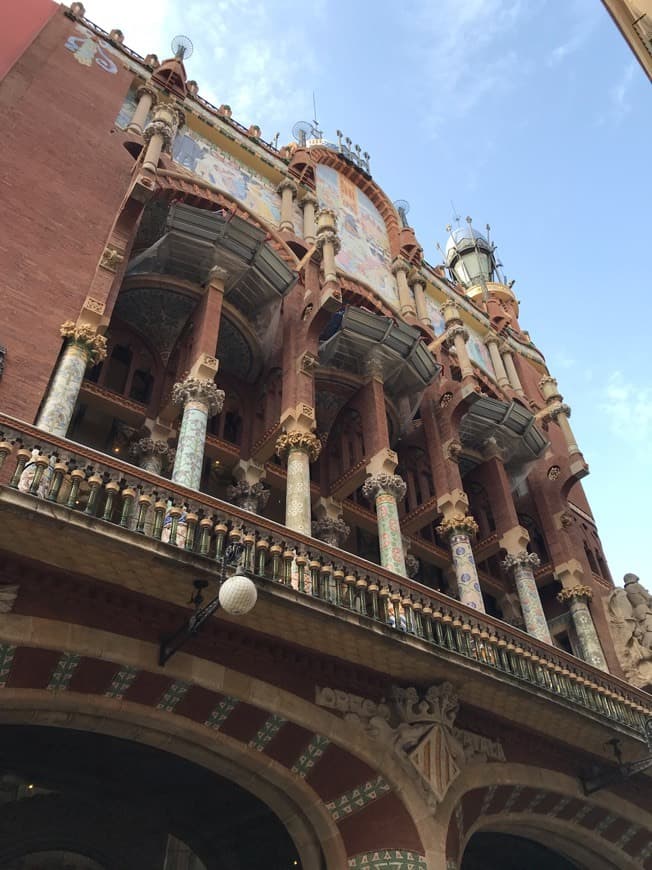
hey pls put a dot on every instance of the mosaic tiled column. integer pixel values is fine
(250, 497)
(386, 490)
(459, 529)
(84, 348)
(152, 454)
(331, 530)
(522, 566)
(201, 399)
(590, 648)
(301, 448)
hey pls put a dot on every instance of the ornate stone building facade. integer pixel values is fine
(227, 358)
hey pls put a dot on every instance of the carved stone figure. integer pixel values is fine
(630, 620)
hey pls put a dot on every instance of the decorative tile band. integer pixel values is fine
(7, 651)
(172, 695)
(311, 755)
(357, 798)
(63, 671)
(121, 682)
(268, 731)
(220, 712)
(388, 859)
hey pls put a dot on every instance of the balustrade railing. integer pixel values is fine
(113, 491)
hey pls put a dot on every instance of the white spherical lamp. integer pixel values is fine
(238, 595)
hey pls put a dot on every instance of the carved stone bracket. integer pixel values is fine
(198, 390)
(86, 337)
(111, 258)
(383, 482)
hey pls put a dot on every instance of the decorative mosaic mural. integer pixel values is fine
(89, 50)
(365, 244)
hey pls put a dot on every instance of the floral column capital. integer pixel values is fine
(250, 496)
(201, 391)
(287, 184)
(87, 338)
(383, 482)
(306, 441)
(459, 524)
(575, 593)
(326, 237)
(521, 560)
(331, 530)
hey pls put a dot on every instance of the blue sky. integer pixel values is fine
(531, 115)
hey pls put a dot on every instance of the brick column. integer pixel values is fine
(578, 597)
(200, 399)
(522, 566)
(386, 490)
(146, 99)
(459, 529)
(300, 449)
(84, 347)
(288, 190)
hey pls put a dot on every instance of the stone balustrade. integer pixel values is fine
(106, 488)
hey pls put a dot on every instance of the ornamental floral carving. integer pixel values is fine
(412, 565)
(331, 530)
(161, 128)
(459, 524)
(298, 441)
(420, 728)
(86, 337)
(250, 496)
(327, 237)
(554, 472)
(151, 447)
(557, 410)
(445, 400)
(400, 265)
(287, 184)
(575, 592)
(383, 482)
(453, 332)
(8, 595)
(521, 560)
(200, 390)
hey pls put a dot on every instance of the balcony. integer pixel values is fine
(102, 518)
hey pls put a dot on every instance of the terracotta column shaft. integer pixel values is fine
(400, 269)
(492, 342)
(288, 190)
(309, 204)
(146, 98)
(510, 368)
(416, 284)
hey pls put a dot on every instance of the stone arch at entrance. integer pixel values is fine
(330, 787)
(547, 808)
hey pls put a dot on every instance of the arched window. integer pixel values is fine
(117, 369)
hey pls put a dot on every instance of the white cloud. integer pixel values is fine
(255, 56)
(627, 407)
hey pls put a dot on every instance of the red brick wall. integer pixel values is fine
(20, 27)
(63, 174)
